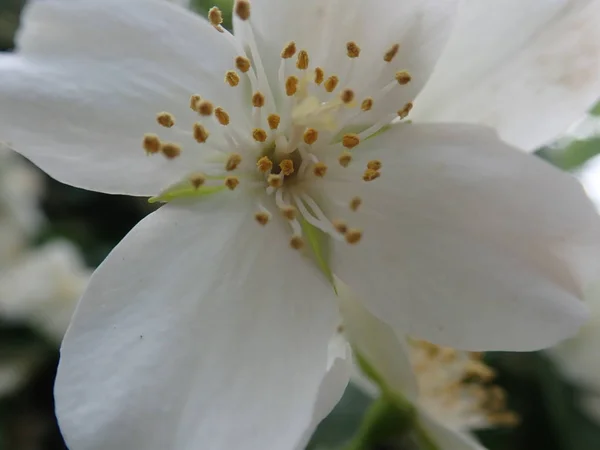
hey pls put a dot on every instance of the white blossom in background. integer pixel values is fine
(273, 150)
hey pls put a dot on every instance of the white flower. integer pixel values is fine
(203, 325)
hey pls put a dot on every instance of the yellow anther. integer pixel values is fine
(391, 53)
(287, 167)
(320, 169)
(205, 108)
(350, 140)
(355, 203)
(310, 136)
(275, 181)
(232, 78)
(403, 113)
(289, 212)
(194, 100)
(242, 63)
(215, 18)
(165, 119)
(233, 161)
(273, 121)
(371, 175)
(302, 61)
(352, 50)
(340, 226)
(264, 164)
(367, 104)
(347, 95)
(170, 150)
(222, 116)
(291, 85)
(151, 144)
(262, 217)
(319, 75)
(259, 135)
(374, 164)
(258, 100)
(289, 50)
(353, 235)
(403, 77)
(197, 180)
(331, 83)
(200, 133)
(344, 159)
(232, 182)
(242, 9)
(297, 243)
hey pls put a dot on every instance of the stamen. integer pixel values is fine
(197, 180)
(242, 9)
(194, 100)
(289, 212)
(215, 18)
(291, 85)
(273, 120)
(165, 119)
(170, 150)
(319, 75)
(262, 217)
(264, 164)
(353, 235)
(340, 226)
(259, 135)
(310, 136)
(275, 181)
(355, 203)
(367, 104)
(331, 83)
(222, 116)
(352, 49)
(344, 159)
(302, 61)
(232, 78)
(371, 175)
(232, 182)
(347, 95)
(233, 162)
(200, 133)
(205, 108)
(391, 53)
(320, 169)
(289, 50)
(297, 243)
(151, 144)
(242, 63)
(374, 164)
(403, 77)
(403, 113)
(350, 140)
(258, 100)
(287, 167)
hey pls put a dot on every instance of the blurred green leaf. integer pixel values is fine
(574, 156)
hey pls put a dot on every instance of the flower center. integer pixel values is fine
(298, 118)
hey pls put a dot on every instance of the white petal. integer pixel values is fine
(445, 437)
(467, 242)
(529, 69)
(196, 331)
(89, 78)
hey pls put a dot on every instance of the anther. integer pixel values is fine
(205, 108)
(197, 180)
(352, 49)
(262, 217)
(259, 135)
(258, 100)
(273, 121)
(403, 77)
(242, 9)
(151, 144)
(319, 75)
(297, 243)
(331, 83)
(171, 151)
(291, 85)
(242, 63)
(215, 18)
(275, 181)
(347, 95)
(287, 167)
(264, 164)
(194, 100)
(302, 61)
(222, 116)
(320, 169)
(391, 53)
(200, 133)
(232, 78)
(374, 164)
(340, 226)
(403, 113)
(232, 182)
(233, 161)
(310, 136)
(289, 50)
(350, 140)
(344, 159)
(353, 235)
(165, 119)
(289, 212)
(367, 104)
(355, 203)
(371, 175)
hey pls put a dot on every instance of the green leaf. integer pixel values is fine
(574, 156)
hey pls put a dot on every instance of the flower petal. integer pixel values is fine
(446, 438)
(89, 78)
(467, 242)
(196, 330)
(529, 69)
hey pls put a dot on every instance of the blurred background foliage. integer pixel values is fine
(546, 404)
